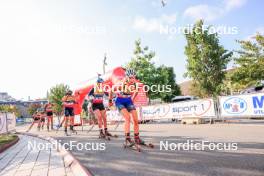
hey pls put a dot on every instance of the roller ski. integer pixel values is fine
(141, 142)
(131, 144)
(150, 145)
(103, 136)
(109, 134)
(144, 144)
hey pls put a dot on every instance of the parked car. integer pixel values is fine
(183, 98)
(255, 89)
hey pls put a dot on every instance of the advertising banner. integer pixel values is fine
(156, 112)
(251, 105)
(115, 115)
(11, 121)
(198, 108)
(77, 120)
(3, 128)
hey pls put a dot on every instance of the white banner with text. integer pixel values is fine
(199, 108)
(251, 105)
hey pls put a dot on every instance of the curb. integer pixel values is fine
(69, 160)
(10, 144)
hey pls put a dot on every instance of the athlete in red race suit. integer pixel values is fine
(49, 112)
(68, 102)
(96, 97)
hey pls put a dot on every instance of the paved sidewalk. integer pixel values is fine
(20, 160)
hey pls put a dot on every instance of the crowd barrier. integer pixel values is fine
(7, 122)
(249, 105)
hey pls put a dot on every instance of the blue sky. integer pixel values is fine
(63, 41)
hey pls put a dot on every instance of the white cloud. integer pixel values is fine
(153, 24)
(259, 30)
(231, 4)
(203, 11)
(210, 13)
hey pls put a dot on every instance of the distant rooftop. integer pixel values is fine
(5, 97)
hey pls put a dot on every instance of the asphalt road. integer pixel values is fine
(247, 160)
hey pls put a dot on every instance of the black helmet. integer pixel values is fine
(130, 72)
(69, 92)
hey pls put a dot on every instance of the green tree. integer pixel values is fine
(167, 77)
(142, 63)
(11, 109)
(55, 96)
(149, 74)
(250, 70)
(206, 60)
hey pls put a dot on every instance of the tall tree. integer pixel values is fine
(55, 96)
(250, 70)
(142, 63)
(167, 77)
(206, 60)
(149, 74)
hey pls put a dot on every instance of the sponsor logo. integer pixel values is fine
(258, 104)
(156, 111)
(198, 108)
(235, 105)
